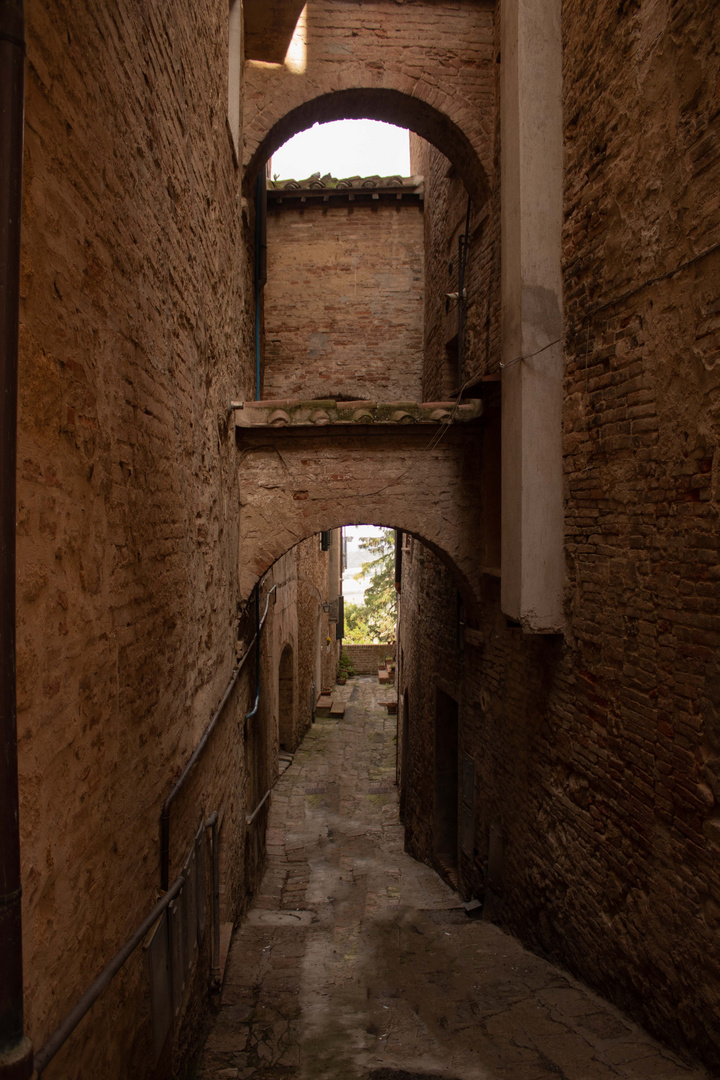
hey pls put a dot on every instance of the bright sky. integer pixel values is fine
(344, 148)
(354, 591)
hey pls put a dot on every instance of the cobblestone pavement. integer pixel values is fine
(358, 962)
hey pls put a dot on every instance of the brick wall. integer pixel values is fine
(596, 755)
(134, 277)
(320, 655)
(430, 68)
(408, 479)
(344, 301)
(367, 659)
(446, 222)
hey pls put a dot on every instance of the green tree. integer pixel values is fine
(380, 603)
(356, 628)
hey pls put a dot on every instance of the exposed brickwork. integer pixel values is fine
(446, 222)
(595, 758)
(295, 483)
(344, 301)
(319, 656)
(127, 517)
(429, 68)
(366, 659)
(641, 434)
(142, 520)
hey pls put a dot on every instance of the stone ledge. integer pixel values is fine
(321, 412)
(349, 189)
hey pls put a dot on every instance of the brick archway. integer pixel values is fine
(391, 106)
(294, 484)
(431, 71)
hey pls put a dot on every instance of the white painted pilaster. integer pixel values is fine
(531, 195)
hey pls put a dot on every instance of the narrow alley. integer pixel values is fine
(357, 961)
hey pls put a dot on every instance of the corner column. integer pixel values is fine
(532, 314)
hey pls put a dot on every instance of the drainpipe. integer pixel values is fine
(249, 716)
(15, 1049)
(215, 972)
(463, 242)
(260, 265)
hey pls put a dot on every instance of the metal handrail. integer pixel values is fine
(192, 761)
(251, 817)
(60, 1036)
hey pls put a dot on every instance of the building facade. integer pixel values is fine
(557, 658)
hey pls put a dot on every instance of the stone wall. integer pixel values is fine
(133, 318)
(595, 819)
(367, 659)
(344, 300)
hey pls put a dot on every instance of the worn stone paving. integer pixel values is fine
(355, 961)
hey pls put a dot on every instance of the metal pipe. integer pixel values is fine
(258, 241)
(251, 817)
(15, 1049)
(192, 761)
(215, 973)
(254, 709)
(259, 625)
(45, 1055)
(463, 242)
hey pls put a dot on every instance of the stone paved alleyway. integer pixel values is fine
(358, 962)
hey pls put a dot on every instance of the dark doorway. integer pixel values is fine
(446, 785)
(286, 733)
(404, 754)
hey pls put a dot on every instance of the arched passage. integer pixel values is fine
(294, 484)
(431, 71)
(392, 106)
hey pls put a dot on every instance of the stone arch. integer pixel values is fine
(432, 71)
(291, 488)
(286, 699)
(392, 106)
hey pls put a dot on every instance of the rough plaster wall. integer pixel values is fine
(597, 756)
(344, 301)
(132, 310)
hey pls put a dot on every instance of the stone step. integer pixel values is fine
(324, 705)
(338, 709)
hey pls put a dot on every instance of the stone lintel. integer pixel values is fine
(295, 413)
